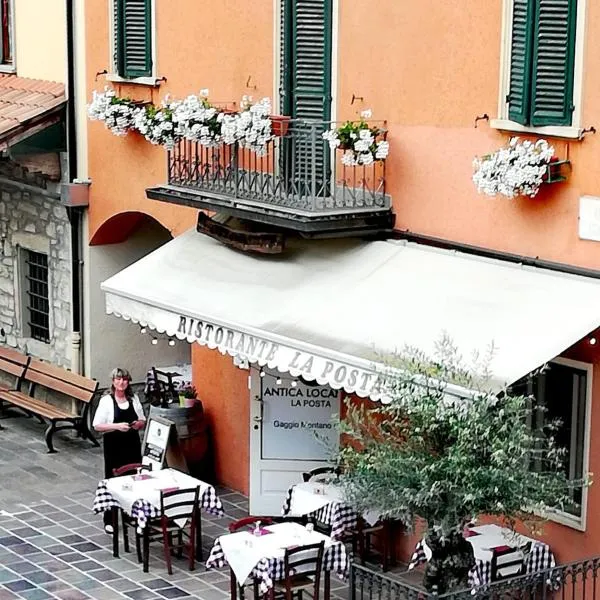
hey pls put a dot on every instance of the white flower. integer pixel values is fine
(515, 170)
(348, 159)
(204, 93)
(366, 114)
(382, 150)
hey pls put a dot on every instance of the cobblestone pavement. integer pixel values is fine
(53, 546)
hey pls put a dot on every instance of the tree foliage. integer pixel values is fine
(446, 459)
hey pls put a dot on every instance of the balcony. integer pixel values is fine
(299, 184)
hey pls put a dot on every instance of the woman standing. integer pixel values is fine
(119, 417)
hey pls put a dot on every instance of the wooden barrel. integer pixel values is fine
(193, 434)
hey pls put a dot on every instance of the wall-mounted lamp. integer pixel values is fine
(154, 341)
(171, 342)
(593, 341)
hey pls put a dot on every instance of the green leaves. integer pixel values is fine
(447, 460)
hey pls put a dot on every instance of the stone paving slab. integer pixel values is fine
(52, 546)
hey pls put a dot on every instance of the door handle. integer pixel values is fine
(259, 418)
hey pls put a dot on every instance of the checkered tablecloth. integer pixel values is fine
(269, 570)
(539, 559)
(142, 510)
(337, 515)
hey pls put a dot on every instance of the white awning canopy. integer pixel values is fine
(329, 310)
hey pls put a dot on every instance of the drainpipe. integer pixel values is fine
(74, 214)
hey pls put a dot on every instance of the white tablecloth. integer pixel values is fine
(126, 490)
(245, 552)
(489, 537)
(140, 496)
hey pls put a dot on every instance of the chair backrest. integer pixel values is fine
(13, 362)
(60, 380)
(305, 561)
(130, 469)
(237, 525)
(320, 472)
(179, 505)
(508, 562)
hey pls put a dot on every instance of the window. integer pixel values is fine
(541, 71)
(6, 51)
(132, 39)
(35, 299)
(561, 393)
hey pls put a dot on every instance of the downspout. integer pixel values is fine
(74, 213)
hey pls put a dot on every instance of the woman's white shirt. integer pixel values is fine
(105, 413)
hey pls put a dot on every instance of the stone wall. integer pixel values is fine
(34, 222)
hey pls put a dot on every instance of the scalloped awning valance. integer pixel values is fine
(331, 310)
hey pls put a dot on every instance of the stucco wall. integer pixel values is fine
(41, 39)
(428, 68)
(112, 341)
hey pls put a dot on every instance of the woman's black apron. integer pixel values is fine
(121, 447)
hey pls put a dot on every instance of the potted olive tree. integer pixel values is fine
(446, 460)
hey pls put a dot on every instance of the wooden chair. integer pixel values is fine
(236, 526)
(302, 571)
(321, 473)
(509, 562)
(178, 509)
(126, 520)
(362, 541)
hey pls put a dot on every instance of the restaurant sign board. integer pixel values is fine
(297, 419)
(311, 366)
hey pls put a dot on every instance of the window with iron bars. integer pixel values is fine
(36, 302)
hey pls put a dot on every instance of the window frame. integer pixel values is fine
(560, 517)
(502, 122)
(10, 67)
(23, 303)
(113, 73)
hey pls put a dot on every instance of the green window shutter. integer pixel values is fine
(118, 37)
(133, 37)
(521, 54)
(553, 60)
(306, 92)
(310, 59)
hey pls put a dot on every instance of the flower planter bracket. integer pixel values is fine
(556, 171)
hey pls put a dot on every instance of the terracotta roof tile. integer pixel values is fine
(22, 99)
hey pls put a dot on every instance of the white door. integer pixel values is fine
(291, 432)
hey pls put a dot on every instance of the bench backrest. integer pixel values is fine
(13, 362)
(60, 380)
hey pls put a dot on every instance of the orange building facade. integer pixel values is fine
(429, 70)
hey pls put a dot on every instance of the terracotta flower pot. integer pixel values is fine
(279, 125)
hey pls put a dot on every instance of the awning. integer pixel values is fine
(329, 310)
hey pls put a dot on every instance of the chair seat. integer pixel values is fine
(298, 582)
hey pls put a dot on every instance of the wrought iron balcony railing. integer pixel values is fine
(299, 174)
(575, 581)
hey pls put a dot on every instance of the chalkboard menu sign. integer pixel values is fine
(160, 447)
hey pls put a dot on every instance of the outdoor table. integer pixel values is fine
(325, 503)
(139, 496)
(261, 557)
(486, 538)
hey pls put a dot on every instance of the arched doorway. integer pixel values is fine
(110, 341)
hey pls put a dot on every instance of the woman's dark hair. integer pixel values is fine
(123, 374)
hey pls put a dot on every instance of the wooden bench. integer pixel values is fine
(14, 363)
(38, 374)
